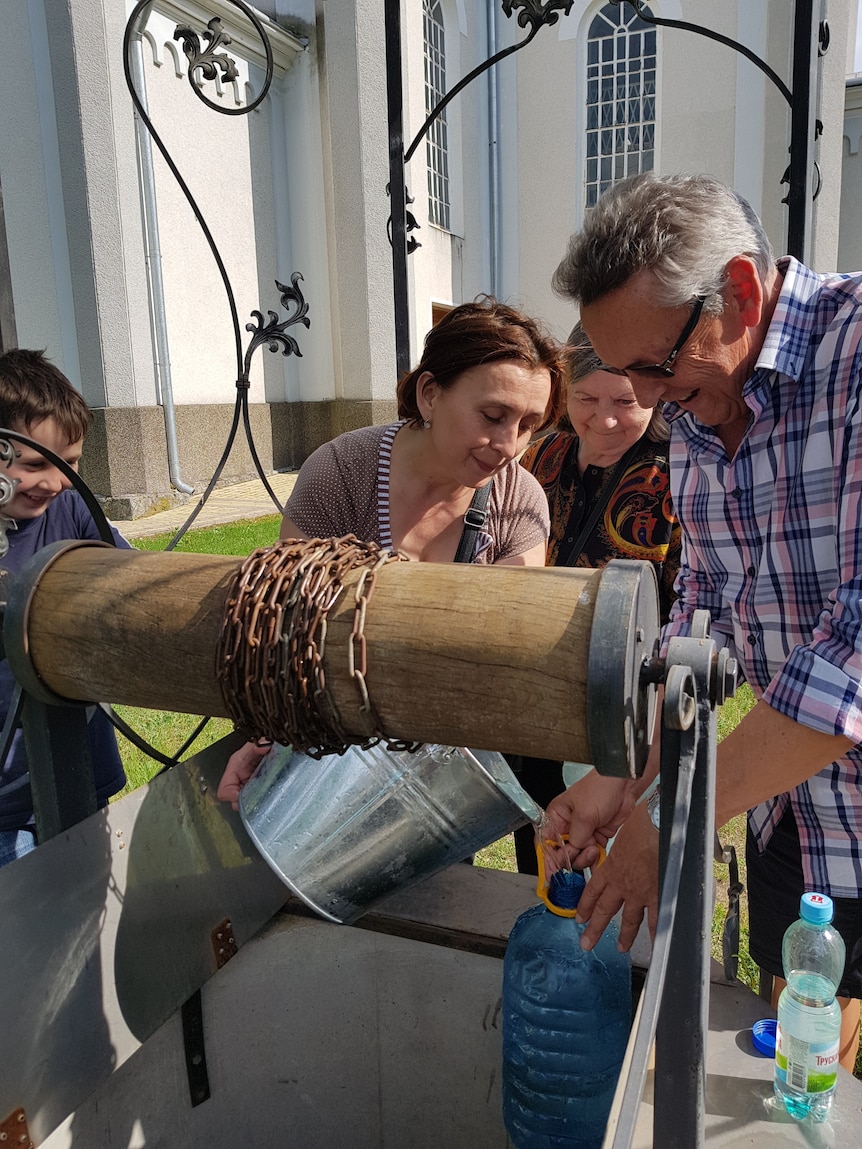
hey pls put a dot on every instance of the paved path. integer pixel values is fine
(226, 504)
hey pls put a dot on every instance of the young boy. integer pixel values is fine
(37, 400)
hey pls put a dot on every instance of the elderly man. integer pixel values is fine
(758, 365)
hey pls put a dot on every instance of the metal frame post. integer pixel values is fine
(397, 187)
(802, 129)
(8, 331)
(683, 1020)
(61, 767)
(674, 1006)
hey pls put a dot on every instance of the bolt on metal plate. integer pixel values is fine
(14, 1131)
(224, 943)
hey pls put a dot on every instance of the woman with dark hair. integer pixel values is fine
(489, 380)
(605, 472)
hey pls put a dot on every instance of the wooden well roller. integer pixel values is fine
(549, 662)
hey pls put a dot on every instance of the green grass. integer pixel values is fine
(238, 538)
(166, 732)
(734, 710)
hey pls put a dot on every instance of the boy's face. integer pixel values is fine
(39, 482)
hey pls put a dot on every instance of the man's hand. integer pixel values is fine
(628, 877)
(590, 812)
(240, 767)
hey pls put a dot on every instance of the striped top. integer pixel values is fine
(343, 488)
(773, 550)
(384, 466)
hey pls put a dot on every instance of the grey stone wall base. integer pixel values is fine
(124, 508)
(125, 451)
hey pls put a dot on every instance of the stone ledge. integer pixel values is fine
(123, 508)
(125, 459)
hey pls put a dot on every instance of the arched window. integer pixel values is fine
(437, 140)
(621, 77)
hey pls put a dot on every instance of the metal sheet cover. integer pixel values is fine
(107, 930)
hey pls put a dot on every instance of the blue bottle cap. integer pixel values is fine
(763, 1034)
(816, 908)
(565, 888)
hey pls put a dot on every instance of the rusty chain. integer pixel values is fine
(270, 656)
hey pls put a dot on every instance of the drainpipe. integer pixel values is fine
(494, 151)
(154, 268)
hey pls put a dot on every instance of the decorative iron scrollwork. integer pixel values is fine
(274, 333)
(410, 222)
(818, 179)
(537, 13)
(209, 60)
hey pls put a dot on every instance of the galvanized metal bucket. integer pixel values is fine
(346, 831)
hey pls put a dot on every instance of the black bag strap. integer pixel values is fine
(730, 930)
(474, 520)
(567, 556)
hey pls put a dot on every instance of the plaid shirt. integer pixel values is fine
(773, 550)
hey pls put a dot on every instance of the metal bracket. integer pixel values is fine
(22, 590)
(621, 698)
(195, 1051)
(224, 943)
(61, 766)
(674, 1006)
(15, 1131)
(194, 1044)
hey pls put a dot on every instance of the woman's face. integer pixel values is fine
(606, 415)
(484, 419)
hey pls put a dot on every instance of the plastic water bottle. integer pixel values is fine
(809, 1017)
(566, 1019)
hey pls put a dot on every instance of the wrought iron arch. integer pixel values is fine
(206, 62)
(810, 39)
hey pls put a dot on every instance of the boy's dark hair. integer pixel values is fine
(33, 389)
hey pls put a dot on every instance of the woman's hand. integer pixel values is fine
(590, 812)
(240, 767)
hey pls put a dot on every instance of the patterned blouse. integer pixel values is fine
(638, 521)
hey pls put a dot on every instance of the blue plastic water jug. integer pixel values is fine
(566, 1020)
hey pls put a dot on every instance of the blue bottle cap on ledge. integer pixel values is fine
(763, 1035)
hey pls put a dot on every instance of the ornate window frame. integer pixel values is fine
(621, 94)
(437, 142)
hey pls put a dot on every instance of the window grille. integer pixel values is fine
(437, 141)
(621, 97)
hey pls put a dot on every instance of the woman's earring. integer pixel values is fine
(427, 424)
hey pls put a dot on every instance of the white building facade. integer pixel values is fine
(106, 266)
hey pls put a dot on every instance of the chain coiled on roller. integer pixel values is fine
(270, 656)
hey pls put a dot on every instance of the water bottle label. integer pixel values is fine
(807, 1066)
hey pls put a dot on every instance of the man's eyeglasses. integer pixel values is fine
(665, 370)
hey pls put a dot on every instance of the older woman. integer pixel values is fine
(605, 474)
(607, 470)
(489, 379)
